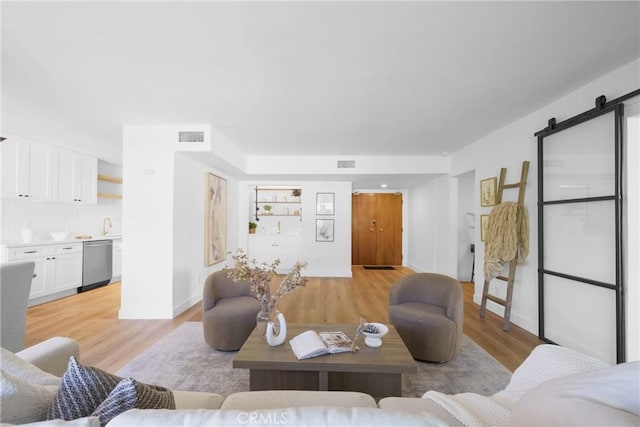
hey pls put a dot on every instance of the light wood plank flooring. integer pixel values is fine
(110, 343)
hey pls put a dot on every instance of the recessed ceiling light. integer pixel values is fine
(383, 185)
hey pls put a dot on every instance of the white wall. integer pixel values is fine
(421, 227)
(432, 228)
(189, 269)
(327, 165)
(327, 259)
(148, 218)
(508, 147)
(164, 267)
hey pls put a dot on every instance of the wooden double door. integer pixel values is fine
(376, 234)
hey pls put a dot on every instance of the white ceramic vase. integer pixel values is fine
(277, 335)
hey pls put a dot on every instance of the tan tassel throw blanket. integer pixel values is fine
(507, 237)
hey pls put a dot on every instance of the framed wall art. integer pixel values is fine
(215, 219)
(324, 230)
(325, 203)
(484, 221)
(488, 189)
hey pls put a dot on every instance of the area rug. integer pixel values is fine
(183, 361)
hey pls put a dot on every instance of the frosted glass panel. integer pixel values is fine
(581, 316)
(579, 239)
(579, 162)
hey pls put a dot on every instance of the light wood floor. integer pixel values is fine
(109, 343)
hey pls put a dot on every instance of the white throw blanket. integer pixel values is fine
(545, 363)
(507, 237)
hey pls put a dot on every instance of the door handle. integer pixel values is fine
(381, 229)
(371, 229)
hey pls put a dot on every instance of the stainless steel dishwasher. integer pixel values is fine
(97, 263)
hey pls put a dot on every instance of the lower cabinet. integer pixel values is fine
(116, 269)
(58, 267)
(38, 284)
(266, 248)
(65, 272)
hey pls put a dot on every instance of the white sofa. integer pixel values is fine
(554, 386)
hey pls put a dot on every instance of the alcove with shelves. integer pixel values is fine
(277, 213)
(276, 202)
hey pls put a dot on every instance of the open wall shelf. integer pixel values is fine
(113, 180)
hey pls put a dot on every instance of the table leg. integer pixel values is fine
(265, 379)
(323, 380)
(375, 384)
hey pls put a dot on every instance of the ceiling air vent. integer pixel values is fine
(346, 164)
(191, 136)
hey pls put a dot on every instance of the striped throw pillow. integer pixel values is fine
(130, 394)
(81, 391)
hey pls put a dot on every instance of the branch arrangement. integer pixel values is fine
(259, 275)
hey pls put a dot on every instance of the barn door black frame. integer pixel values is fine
(602, 107)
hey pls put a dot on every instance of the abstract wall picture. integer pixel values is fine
(325, 203)
(324, 230)
(215, 219)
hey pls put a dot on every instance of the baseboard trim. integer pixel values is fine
(328, 273)
(181, 308)
(144, 313)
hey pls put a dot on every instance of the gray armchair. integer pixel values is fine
(15, 286)
(229, 311)
(427, 311)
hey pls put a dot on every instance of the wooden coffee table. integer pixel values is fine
(375, 371)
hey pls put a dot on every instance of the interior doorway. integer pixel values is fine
(466, 223)
(376, 234)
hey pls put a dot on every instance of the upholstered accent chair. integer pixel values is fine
(15, 286)
(229, 311)
(427, 311)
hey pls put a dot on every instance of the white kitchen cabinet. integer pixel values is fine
(58, 267)
(65, 272)
(76, 177)
(26, 169)
(36, 171)
(38, 283)
(268, 247)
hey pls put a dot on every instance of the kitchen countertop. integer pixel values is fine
(60, 242)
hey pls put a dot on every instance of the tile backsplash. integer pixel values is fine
(45, 217)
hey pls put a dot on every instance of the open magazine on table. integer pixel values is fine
(311, 344)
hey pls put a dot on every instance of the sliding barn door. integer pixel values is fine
(376, 229)
(580, 230)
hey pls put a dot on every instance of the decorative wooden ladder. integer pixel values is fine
(506, 303)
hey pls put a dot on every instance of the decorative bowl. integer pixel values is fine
(373, 339)
(58, 236)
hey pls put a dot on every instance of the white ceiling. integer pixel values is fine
(301, 78)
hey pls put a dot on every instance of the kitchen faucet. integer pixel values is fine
(104, 225)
